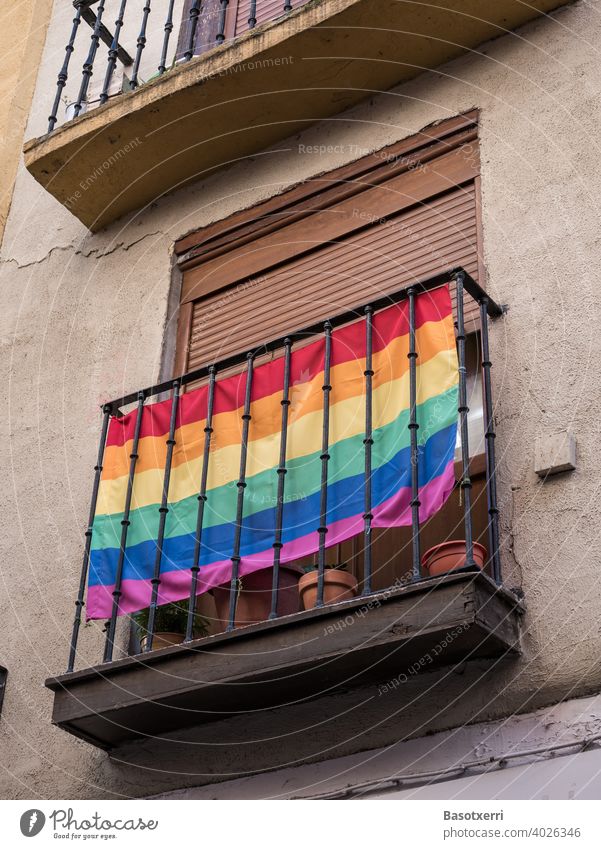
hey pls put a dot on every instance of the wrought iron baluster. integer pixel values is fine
(85, 566)
(88, 65)
(202, 499)
(63, 74)
(489, 448)
(222, 13)
(252, 15)
(368, 442)
(324, 457)
(463, 410)
(133, 457)
(281, 472)
(113, 53)
(163, 510)
(140, 44)
(3, 679)
(413, 428)
(241, 484)
(193, 20)
(168, 30)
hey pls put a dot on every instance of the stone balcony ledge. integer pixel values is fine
(250, 93)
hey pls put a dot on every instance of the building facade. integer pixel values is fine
(200, 201)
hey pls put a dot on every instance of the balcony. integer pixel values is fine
(185, 101)
(267, 615)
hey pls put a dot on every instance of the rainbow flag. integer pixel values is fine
(437, 379)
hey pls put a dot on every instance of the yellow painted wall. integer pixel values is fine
(23, 25)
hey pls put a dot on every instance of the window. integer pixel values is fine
(393, 217)
(474, 397)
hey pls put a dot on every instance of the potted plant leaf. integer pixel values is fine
(338, 585)
(169, 625)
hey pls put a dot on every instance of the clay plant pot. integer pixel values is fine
(337, 586)
(162, 639)
(254, 598)
(450, 555)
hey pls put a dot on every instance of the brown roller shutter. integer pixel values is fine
(266, 10)
(378, 261)
(417, 223)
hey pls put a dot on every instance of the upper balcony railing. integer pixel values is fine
(365, 347)
(186, 29)
(192, 86)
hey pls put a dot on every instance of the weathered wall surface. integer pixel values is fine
(557, 770)
(85, 317)
(22, 35)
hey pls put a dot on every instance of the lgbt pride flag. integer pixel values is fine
(437, 378)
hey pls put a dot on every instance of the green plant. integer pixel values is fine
(171, 617)
(342, 567)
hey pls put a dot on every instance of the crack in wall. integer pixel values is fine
(97, 253)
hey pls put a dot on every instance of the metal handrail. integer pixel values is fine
(169, 56)
(493, 310)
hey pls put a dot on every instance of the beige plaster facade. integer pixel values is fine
(85, 317)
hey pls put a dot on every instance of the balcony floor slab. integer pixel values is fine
(390, 635)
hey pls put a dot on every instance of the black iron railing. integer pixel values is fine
(166, 48)
(464, 285)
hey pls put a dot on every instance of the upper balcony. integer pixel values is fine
(173, 89)
(222, 517)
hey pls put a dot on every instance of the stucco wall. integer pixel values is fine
(545, 762)
(22, 34)
(84, 317)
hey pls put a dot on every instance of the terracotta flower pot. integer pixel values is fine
(450, 555)
(162, 639)
(337, 586)
(254, 599)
